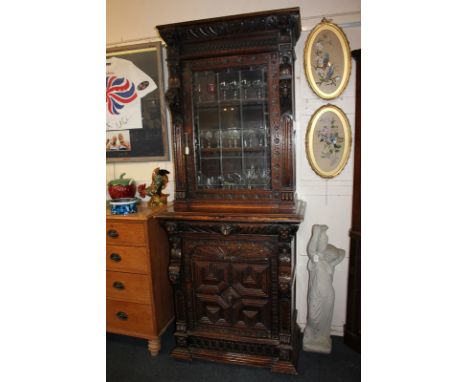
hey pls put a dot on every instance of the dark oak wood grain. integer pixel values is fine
(265, 38)
(232, 250)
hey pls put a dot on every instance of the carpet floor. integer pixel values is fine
(128, 360)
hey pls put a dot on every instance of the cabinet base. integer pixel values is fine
(181, 353)
(272, 363)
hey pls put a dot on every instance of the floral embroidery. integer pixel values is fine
(324, 68)
(332, 142)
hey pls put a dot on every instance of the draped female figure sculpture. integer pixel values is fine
(323, 258)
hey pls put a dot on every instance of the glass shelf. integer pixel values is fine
(228, 103)
(232, 150)
(231, 135)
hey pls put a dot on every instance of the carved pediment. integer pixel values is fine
(285, 21)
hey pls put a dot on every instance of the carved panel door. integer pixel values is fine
(232, 287)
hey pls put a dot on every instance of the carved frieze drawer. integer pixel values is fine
(229, 229)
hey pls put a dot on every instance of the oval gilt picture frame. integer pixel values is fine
(328, 141)
(327, 60)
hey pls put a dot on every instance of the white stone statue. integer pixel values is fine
(323, 258)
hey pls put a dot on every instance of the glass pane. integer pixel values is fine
(232, 139)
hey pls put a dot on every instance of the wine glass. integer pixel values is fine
(223, 86)
(235, 137)
(258, 85)
(208, 138)
(217, 137)
(245, 87)
(234, 87)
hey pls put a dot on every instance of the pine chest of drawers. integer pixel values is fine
(139, 295)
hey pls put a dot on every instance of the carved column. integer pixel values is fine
(286, 272)
(174, 99)
(175, 264)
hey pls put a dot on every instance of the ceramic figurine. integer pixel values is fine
(158, 183)
(122, 187)
(323, 258)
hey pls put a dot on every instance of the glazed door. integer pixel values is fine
(231, 129)
(232, 288)
(232, 104)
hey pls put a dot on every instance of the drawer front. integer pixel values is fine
(127, 259)
(128, 286)
(128, 233)
(129, 317)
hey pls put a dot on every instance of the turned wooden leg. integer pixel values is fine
(154, 346)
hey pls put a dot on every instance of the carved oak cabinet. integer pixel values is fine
(233, 224)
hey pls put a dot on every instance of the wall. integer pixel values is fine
(328, 201)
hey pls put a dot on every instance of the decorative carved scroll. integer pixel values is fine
(284, 282)
(285, 256)
(175, 260)
(288, 181)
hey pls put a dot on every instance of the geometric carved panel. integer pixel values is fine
(232, 294)
(251, 280)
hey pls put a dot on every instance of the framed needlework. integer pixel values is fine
(327, 60)
(328, 141)
(136, 125)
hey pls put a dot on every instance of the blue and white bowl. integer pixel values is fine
(123, 206)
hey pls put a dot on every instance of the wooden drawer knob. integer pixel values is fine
(122, 316)
(115, 257)
(112, 233)
(118, 285)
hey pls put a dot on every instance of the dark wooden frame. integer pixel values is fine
(129, 157)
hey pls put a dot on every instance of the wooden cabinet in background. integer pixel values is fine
(232, 228)
(139, 295)
(352, 332)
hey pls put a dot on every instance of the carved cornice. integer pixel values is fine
(286, 22)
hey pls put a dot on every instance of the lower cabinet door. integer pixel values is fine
(129, 318)
(232, 287)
